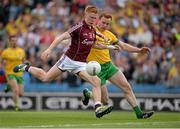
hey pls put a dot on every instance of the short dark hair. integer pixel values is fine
(10, 37)
(106, 15)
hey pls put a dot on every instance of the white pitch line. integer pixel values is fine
(102, 124)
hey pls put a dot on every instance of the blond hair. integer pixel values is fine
(91, 9)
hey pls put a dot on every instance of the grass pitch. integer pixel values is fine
(85, 119)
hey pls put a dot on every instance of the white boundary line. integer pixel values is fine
(93, 125)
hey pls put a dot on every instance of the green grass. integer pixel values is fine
(83, 119)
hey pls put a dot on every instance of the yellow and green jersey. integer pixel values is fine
(102, 56)
(13, 57)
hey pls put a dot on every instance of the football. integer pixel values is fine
(93, 68)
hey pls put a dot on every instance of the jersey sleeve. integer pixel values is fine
(4, 54)
(114, 40)
(74, 29)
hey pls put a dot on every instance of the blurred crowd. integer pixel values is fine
(152, 23)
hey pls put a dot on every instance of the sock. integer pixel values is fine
(97, 104)
(138, 111)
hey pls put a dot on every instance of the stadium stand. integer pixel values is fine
(141, 23)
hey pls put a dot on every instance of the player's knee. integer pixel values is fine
(45, 78)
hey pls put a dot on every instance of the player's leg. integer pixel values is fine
(14, 86)
(95, 81)
(102, 76)
(104, 95)
(39, 73)
(119, 80)
(20, 82)
(21, 92)
(96, 93)
(21, 89)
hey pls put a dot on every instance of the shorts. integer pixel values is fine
(19, 79)
(107, 71)
(67, 64)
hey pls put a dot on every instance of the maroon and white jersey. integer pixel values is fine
(82, 39)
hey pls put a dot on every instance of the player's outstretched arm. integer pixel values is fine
(130, 48)
(100, 45)
(57, 41)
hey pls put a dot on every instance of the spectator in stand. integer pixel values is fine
(174, 75)
(153, 23)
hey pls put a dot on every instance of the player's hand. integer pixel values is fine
(45, 55)
(114, 47)
(117, 47)
(145, 50)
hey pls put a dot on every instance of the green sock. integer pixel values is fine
(138, 111)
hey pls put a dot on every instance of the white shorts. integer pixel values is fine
(67, 64)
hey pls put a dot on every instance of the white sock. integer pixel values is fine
(97, 102)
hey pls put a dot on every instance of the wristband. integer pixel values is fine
(110, 47)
